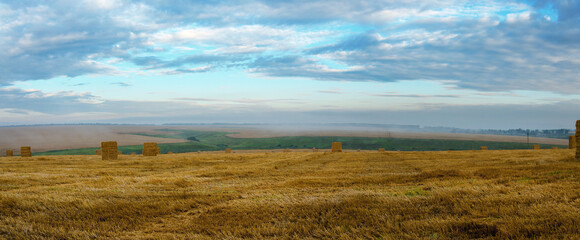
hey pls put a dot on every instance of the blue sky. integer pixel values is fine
(469, 64)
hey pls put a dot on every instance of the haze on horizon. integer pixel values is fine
(466, 64)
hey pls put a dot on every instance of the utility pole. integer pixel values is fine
(528, 134)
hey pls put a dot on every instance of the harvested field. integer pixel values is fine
(516, 194)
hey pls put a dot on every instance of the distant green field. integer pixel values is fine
(216, 141)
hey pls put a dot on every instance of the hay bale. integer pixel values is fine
(109, 150)
(483, 147)
(578, 140)
(382, 150)
(9, 153)
(133, 154)
(337, 147)
(572, 142)
(536, 146)
(98, 152)
(150, 149)
(25, 151)
(228, 150)
(554, 147)
(170, 152)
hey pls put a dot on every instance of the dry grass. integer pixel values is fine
(299, 195)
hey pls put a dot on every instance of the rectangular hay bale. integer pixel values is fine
(109, 150)
(228, 150)
(483, 147)
(577, 145)
(150, 149)
(337, 147)
(9, 153)
(536, 146)
(381, 150)
(572, 142)
(25, 151)
(578, 140)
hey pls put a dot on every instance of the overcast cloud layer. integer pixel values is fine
(480, 46)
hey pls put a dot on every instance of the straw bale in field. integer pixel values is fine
(25, 151)
(9, 152)
(381, 150)
(536, 146)
(572, 142)
(150, 149)
(337, 147)
(554, 147)
(577, 137)
(578, 140)
(109, 150)
(98, 152)
(483, 147)
(133, 154)
(228, 150)
(170, 152)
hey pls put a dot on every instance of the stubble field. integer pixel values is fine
(513, 194)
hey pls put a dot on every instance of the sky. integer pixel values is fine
(453, 63)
